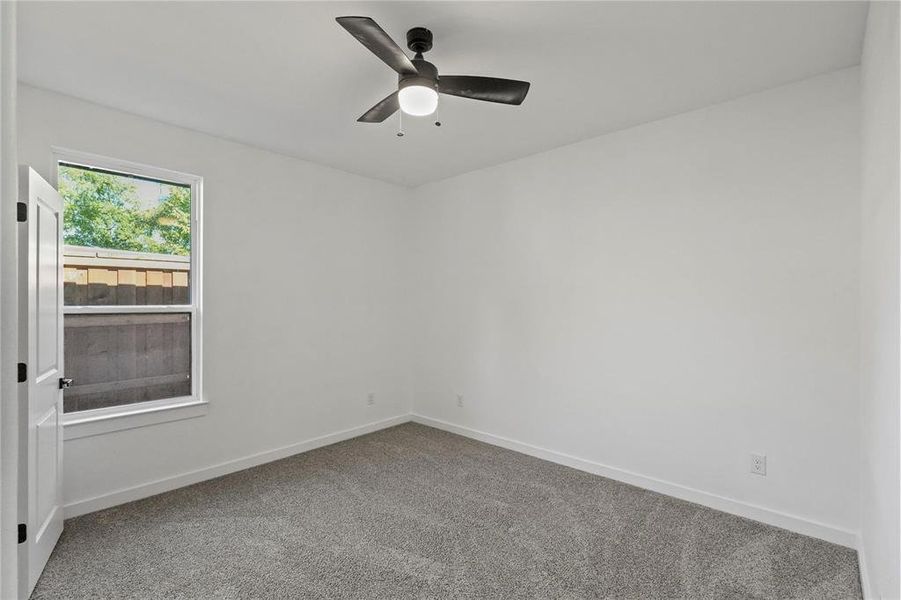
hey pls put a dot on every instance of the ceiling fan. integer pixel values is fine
(418, 82)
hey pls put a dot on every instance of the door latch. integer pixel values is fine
(65, 382)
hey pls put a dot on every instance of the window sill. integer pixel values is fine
(118, 418)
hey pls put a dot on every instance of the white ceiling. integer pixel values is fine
(284, 76)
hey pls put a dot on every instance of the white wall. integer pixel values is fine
(9, 407)
(304, 296)
(663, 300)
(880, 306)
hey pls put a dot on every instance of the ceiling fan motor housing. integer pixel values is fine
(427, 75)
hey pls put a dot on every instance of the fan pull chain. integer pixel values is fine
(400, 123)
(437, 122)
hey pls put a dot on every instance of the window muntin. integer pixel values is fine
(131, 323)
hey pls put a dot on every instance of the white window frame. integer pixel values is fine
(116, 418)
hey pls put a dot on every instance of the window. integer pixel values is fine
(131, 293)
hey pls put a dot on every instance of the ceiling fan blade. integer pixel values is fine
(379, 43)
(381, 111)
(489, 89)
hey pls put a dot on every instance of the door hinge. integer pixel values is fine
(23, 533)
(21, 212)
(23, 372)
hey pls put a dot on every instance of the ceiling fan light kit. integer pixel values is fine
(418, 82)
(418, 94)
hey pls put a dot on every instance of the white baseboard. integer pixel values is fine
(743, 509)
(88, 505)
(790, 522)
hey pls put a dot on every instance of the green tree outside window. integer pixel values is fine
(103, 210)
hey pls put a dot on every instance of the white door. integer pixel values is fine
(41, 350)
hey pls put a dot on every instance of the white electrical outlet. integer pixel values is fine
(370, 399)
(460, 400)
(758, 464)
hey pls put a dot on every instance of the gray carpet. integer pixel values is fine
(413, 512)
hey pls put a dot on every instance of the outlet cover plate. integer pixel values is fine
(758, 464)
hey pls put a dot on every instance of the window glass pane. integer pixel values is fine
(127, 238)
(103, 278)
(120, 359)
